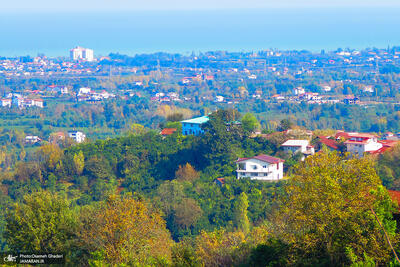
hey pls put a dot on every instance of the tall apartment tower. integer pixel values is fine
(81, 53)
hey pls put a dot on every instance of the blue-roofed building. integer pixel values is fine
(193, 126)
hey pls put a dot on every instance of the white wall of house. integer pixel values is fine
(302, 146)
(295, 149)
(259, 170)
(79, 137)
(361, 148)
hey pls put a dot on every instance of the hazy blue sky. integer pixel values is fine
(126, 5)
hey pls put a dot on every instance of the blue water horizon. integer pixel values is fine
(313, 29)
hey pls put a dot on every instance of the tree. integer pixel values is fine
(43, 222)
(175, 117)
(124, 231)
(187, 212)
(79, 162)
(186, 173)
(250, 123)
(137, 129)
(285, 124)
(327, 211)
(221, 138)
(50, 155)
(388, 167)
(170, 193)
(97, 167)
(241, 219)
(219, 248)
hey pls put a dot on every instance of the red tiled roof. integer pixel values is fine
(380, 150)
(346, 135)
(387, 144)
(168, 131)
(221, 180)
(264, 158)
(356, 142)
(328, 142)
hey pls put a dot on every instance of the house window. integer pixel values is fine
(277, 166)
(242, 166)
(254, 174)
(265, 166)
(254, 167)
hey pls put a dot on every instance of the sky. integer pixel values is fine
(30, 6)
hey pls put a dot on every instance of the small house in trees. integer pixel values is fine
(78, 136)
(261, 167)
(193, 126)
(220, 181)
(298, 146)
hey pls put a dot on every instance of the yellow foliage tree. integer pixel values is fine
(219, 247)
(50, 155)
(79, 162)
(125, 231)
(327, 210)
(137, 129)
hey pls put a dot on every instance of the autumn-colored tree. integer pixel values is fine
(137, 129)
(327, 213)
(219, 248)
(186, 173)
(26, 171)
(124, 231)
(50, 155)
(79, 162)
(42, 222)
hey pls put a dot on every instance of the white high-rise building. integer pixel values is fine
(88, 54)
(81, 53)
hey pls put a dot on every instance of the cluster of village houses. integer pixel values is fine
(76, 136)
(87, 94)
(17, 100)
(21, 101)
(299, 94)
(268, 168)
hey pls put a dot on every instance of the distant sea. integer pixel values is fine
(54, 34)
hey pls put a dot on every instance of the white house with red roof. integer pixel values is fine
(261, 167)
(359, 143)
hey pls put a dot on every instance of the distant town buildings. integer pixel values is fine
(298, 91)
(32, 139)
(80, 53)
(22, 102)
